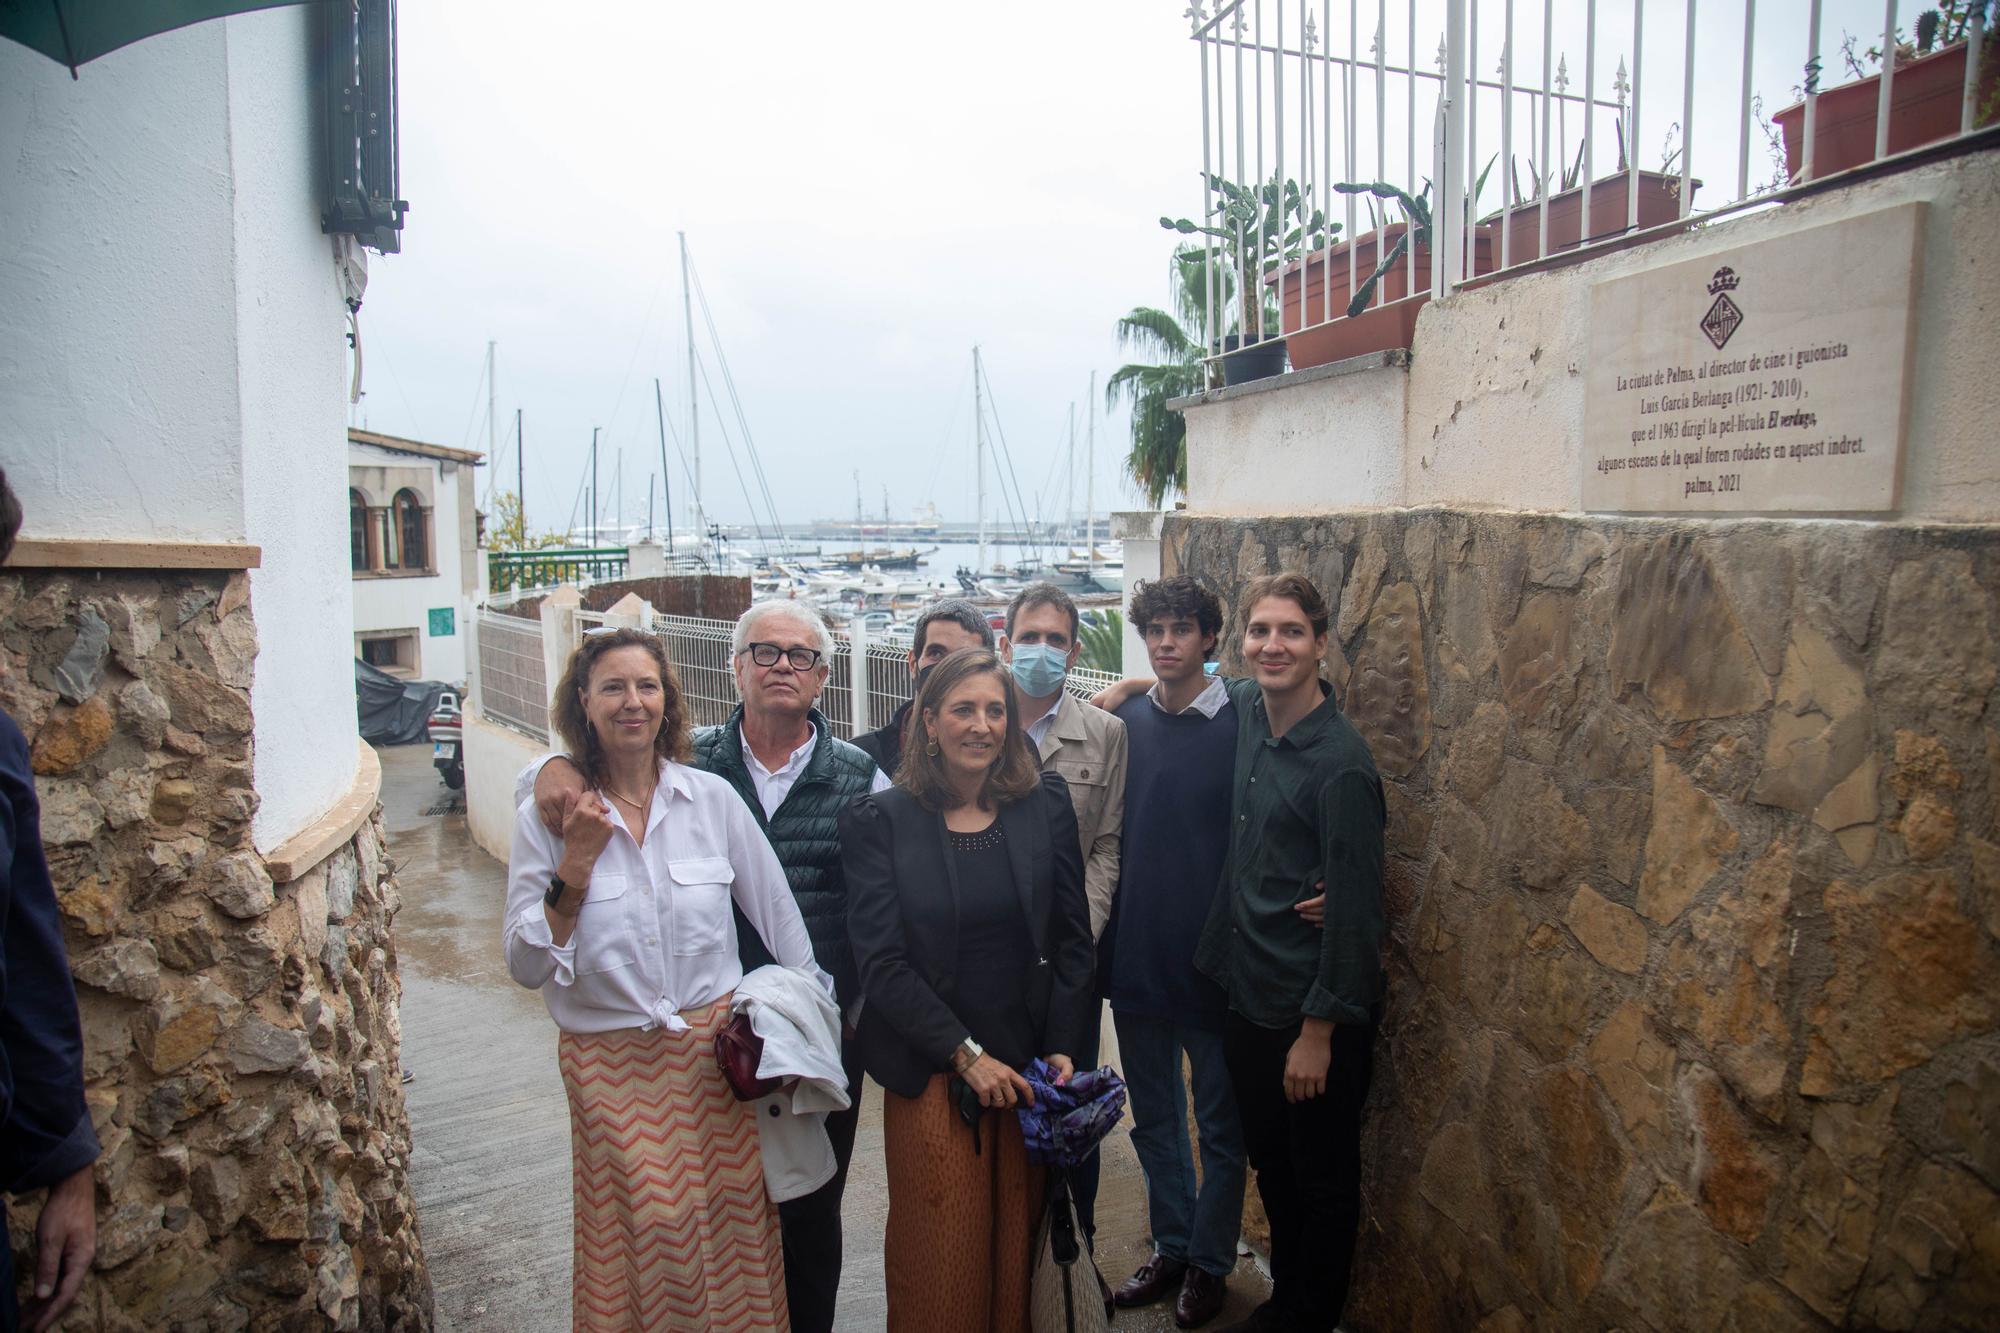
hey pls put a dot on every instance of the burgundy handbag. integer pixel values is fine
(739, 1050)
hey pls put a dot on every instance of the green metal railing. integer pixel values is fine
(508, 570)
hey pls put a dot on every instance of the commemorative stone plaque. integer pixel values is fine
(1767, 379)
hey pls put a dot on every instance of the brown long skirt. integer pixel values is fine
(674, 1229)
(961, 1226)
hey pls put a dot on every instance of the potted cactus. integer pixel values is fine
(1259, 230)
(1926, 98)
(1382, 259)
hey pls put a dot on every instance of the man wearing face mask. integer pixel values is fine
(944, 627)
(1087, 746)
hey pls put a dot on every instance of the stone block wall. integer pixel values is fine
(1694, 903)
(240, 1037)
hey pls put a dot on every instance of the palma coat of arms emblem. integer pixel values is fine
(1724, 316)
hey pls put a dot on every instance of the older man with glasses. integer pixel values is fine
(796, 777)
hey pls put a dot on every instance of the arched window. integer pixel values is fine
(357, 530)
(412, 548)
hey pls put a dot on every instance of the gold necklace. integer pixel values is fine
(642, 807)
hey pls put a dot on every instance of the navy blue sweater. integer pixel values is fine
(45, 1132)
(1176, 837)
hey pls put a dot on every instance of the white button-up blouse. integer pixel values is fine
(655, 935)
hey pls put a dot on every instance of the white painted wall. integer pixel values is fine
(172, 349)
(292, 383)
(117, 292)
(494, 757)
(397, 602)
(1332, 439)
(1494, 395)
(1138, 533)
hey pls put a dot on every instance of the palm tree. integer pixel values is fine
(1158, 461)
(1176, 341)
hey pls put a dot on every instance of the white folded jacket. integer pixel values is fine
(800, 1027)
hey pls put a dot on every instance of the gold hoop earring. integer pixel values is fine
(931, 747)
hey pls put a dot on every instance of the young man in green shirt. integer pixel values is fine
(1304, 999)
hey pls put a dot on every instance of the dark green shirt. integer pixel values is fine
(1307, 806)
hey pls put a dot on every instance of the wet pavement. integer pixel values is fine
(490, 1160)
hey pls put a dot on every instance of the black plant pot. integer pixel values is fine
(1242, 363)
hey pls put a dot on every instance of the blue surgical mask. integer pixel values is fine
(1038, 669)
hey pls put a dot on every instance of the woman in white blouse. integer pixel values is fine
(624, 925)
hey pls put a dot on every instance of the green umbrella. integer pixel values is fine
(76, 31)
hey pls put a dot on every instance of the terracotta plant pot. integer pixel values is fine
(1659, 202)
(1390, 318)
(1926, 101)
(1376, 329)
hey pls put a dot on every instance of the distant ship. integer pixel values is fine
(881, 558)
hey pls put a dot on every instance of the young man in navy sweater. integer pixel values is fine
(1182, 739)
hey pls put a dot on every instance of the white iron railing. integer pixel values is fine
(1322, 92)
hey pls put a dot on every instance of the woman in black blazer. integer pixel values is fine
(966, 913)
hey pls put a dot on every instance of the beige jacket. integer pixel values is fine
(1087, 746)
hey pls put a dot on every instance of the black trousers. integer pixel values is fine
(1308, 1161)
(810, 1225)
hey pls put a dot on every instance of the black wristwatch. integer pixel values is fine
(554, 895)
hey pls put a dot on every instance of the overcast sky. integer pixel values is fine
(868, 191)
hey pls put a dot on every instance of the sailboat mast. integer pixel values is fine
(694, 413)
(593, 485)
(666, 473)
(979, 456)
(1090, 476)
(492, 408)
(520, 476)
(1069, 480)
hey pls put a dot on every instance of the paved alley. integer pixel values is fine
(490, 1166)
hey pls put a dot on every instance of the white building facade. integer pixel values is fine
(412, 535)
(176, 643)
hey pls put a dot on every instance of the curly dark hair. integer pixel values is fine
(1178, 598)
(921, 773)
(573, 724)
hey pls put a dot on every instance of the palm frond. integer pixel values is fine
(1155, 333)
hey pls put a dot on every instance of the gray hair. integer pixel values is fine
(803, 613)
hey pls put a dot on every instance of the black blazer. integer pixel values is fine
(902, 921)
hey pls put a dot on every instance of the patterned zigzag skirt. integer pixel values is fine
(674, 1230)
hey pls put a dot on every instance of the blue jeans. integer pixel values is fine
(1195, 1225)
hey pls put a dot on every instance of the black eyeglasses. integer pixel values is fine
(767, 655)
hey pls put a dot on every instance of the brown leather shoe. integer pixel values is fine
(1201, 1298)
(1158, 1278)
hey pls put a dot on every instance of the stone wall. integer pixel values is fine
(240, 1037)
(1694, 891)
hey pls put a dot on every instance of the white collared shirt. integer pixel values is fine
(1039, 728)
(1208, 703)
(655, 936)
(773, 788)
